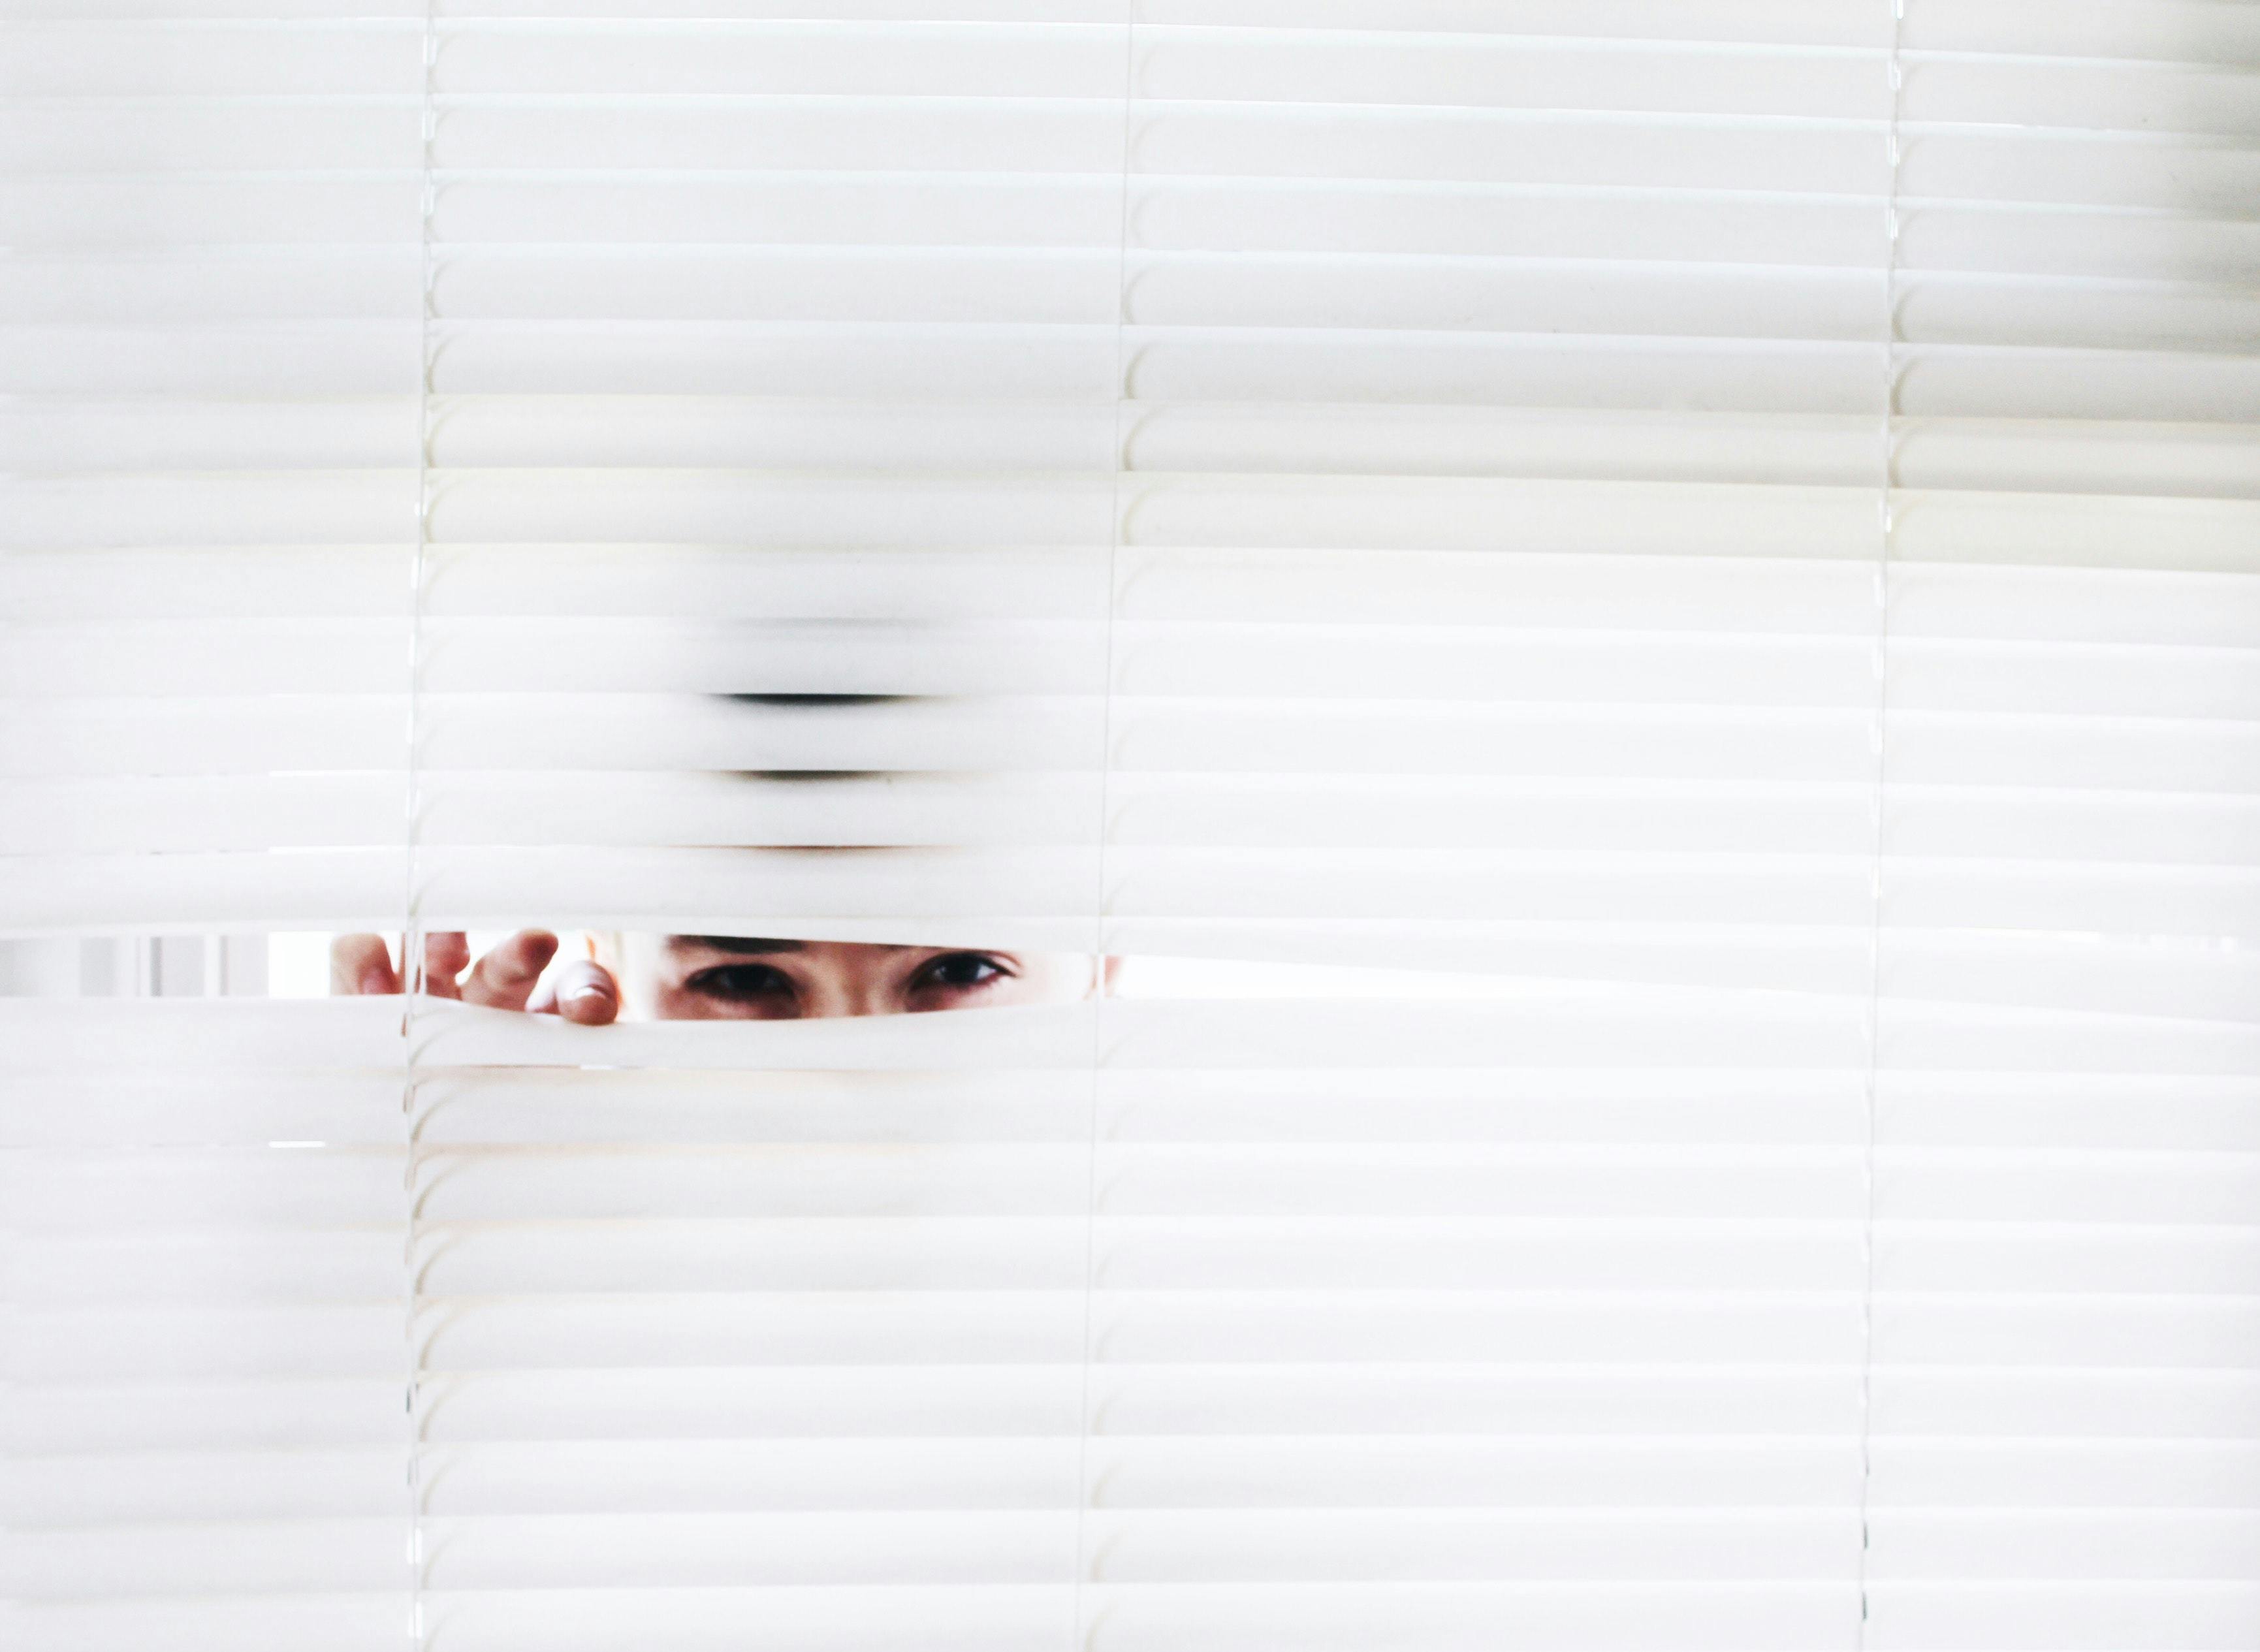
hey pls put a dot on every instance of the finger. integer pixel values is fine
(582, 992)
(445, 952)
(505, 975)
(360, 964)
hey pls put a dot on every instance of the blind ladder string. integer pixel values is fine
(1878, 736)
(411, 943)
(1118, 463)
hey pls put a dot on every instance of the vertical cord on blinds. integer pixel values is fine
(1119, 461)
(1878, 744)
(411, 935)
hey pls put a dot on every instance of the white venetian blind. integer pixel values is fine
(1723, 530)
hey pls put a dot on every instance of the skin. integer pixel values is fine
(711, 977)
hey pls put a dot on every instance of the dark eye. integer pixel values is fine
(741, 980)
(958, 972)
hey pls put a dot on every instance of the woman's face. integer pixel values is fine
(728, 978)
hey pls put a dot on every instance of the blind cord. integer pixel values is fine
(412, 980)
(1118, 460)
(1887, 480)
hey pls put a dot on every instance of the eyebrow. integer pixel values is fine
(754, 946)
(748, 946)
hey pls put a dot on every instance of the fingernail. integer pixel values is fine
(589, 995)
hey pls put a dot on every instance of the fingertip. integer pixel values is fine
(590, 1005)
(587, 994)
(526, 953)
(361, 966)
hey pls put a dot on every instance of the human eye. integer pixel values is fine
(944, 981)
(758, 985)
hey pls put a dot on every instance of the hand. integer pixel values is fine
(507, 979)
